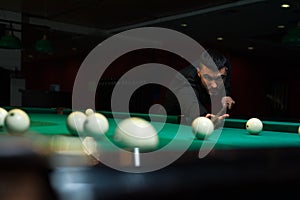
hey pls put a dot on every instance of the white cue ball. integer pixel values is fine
(89, 111)
(254, 126)
(74, 122)
(3, 114)
(202, 127)
(96, 125)
(17, 121)
(135, 132)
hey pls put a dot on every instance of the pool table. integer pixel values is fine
(236, 163)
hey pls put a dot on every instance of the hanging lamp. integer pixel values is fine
(44, 45)
(10, 41)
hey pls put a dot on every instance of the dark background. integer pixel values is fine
(265, 80)
(261, 87)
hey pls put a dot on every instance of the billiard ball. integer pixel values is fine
(89, 111)
(74, 122)
(16, 121)
(136, 132)
(202, 127)
(254, 126)
(3, 113)
(95, 125)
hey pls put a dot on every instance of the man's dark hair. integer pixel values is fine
(211, 57)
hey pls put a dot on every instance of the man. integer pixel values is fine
(194, 89)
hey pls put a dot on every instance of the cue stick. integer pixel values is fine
(136, 155)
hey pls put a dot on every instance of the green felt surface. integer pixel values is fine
(48, 124)
(233, 136)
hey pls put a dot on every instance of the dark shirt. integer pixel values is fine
(192, 96)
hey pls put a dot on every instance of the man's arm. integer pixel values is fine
(227, 101)
(189, 104)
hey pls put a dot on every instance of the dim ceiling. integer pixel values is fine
(241, 23)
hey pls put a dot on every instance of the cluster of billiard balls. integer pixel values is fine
(132, 132)
(88, 123)
(14, 121)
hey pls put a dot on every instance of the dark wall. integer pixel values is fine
(147, 95)
(4, 86)
(40, 76)
(265, 87)
(248, 88)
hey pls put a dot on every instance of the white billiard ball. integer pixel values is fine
(74, 122)
(3, 113)
(202, 127)
(89, 111)
(95, 125)
(135, 132)
(254, 126)
(16, 121)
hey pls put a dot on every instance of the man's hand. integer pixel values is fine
(227, 101)
(217, 120)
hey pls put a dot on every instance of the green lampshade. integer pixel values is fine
(293, 37)
(10, 42)
(44, 45)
